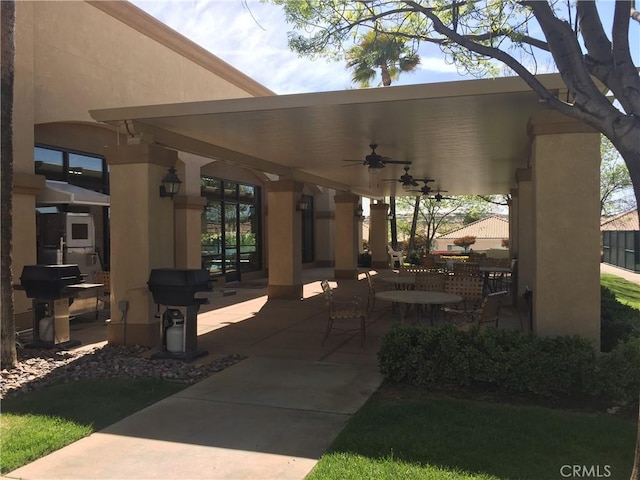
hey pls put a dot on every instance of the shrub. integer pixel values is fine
(619, 322)
(617, 374)
(413, 258)
(510, 362)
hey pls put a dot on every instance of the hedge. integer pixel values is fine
(509, 362)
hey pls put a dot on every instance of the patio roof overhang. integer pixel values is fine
(470, 136)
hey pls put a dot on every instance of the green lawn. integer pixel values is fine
(37, 423)
(625, 291)
(407, 433)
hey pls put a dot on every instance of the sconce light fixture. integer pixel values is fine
(302, 205)
(359, 211)
(389, 215)
(170, 184)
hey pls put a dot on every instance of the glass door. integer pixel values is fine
(231, 253)
(230, 228)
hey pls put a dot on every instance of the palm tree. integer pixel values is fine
(7, 40)
(380, 51)
(389, 54)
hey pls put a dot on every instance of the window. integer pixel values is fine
(308, 234)
(49, 163)
(84, 170)
(231, 230)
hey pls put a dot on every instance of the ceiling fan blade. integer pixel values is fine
(399, 162)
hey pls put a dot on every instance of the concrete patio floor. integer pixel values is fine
(270, 416)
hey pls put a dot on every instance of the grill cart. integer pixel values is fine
(52, 288)
(175, 290)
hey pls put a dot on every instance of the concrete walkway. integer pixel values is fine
(271, 416)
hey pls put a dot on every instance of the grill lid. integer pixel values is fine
(171, 286)
(48, 281)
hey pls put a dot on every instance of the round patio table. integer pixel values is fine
(406, 298)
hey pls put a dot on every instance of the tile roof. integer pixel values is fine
(490, 227)
(624, 221)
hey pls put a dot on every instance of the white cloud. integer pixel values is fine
(252, 37)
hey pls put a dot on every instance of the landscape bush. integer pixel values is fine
(619, 322)
(509, 362)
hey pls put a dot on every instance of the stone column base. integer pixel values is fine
(346, 274)
(145, 334)
(287, 292)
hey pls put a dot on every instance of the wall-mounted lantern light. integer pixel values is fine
(170, 184)
(359, 211)
(302, 205)
(390, 215)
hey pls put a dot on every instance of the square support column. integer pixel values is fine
(566, 190)
(142, 238)
(25, 189)
(346, 240)
(526, 238)
(284, 240)
(379, 235)
(188, 230)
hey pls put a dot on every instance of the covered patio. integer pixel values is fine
(248, 323)
(472, 137)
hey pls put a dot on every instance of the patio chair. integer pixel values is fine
(489, 313)
(371, 297)
(343, 312)
(104, 293)
(429, 261)
(470, 288)
(505, 282)
(395, 257)
(431, 281)
(467, 269)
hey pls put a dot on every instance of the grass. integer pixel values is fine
(625, 291)
(407, 433)
(40, 422)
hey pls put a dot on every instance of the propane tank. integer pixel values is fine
(45, 329)
(175, 336)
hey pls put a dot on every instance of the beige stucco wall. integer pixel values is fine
(92, 61)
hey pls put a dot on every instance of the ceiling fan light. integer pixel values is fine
(407, 187)
(374, 171)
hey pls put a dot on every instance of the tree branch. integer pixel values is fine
(490, 52)
(591, 106)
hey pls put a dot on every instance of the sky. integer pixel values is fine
(252, 37)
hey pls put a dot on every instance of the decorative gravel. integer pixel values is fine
(38, 368)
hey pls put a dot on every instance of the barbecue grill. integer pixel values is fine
(176, 289)
(52, 288)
